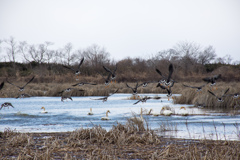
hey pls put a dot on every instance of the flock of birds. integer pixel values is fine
(166, 83)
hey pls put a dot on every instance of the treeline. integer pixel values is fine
(191, 62)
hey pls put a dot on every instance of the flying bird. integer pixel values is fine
(104, 99)
(168, 88)
(83, 83)
(65, 97)
(76, 71)
(134, 89)
(220, 99)
(6, 104)
(199, 88)
(166, 80)
(107, 79)
(69, 89)
(113, 74)
(143, 100)
(21, 88)
(212, 80)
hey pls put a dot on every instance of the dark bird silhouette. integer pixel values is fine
(104, 99)
(69, 89)
(143, 100)
(199, 88)
(76, 71)
(168, 88)
(166, 80)
(24, 95)
(1, 85)
(134, 89)
(6, 104)
(107, 79)
(220, 99)
(21, 88)
(113, 74)
(65, 97)
(83, 83)
(212, 80)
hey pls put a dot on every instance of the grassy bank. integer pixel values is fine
(127, 141)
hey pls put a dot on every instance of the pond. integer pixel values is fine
(70, 115)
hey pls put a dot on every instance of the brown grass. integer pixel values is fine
(121, 142)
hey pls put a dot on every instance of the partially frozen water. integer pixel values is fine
(71, 115)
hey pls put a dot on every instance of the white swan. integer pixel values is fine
(106, 118)
(90, 113)
(183, 111)
(44, 111)
(166, 112)
(137, 119)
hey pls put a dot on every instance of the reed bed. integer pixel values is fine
(120, 142)
(190, 96)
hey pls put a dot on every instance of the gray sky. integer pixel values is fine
(134, 28)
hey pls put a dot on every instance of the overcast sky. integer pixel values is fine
(125, 28)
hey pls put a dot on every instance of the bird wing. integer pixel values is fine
(207, 79)
(189, 86)
(161, 86)
(69, 68)
(136, 102)
(29, 81)
(75, 84)
(1, 86)
(12, 84)
(217, 76)
(107, 69)
(212, 93)
(129, 86)
(225, 92)
(80, 63)
(170, 72)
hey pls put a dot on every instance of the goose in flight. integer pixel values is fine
(21, 88)
(219, 98)
(69, 89)
(24, 95)
(212, 80)
(166, 80)
(134, 89)
(76, 71)
(6, 104)
(143, 100)
(83, 83)
(199, 88)
(65, 97)
(104, 99)
(106, 118)
(169, 91)
(107, 79)
(113, 74)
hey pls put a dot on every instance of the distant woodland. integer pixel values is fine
(191, 62)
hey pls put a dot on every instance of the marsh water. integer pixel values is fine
(70, 115)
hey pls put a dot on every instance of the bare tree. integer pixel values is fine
(67, 53)
(207, 55)
(11, 49)
(96, 55)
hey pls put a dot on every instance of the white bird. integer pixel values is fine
(106, 118)
(183, 111)
(137, 119)
(90, 113)
(44, 111)
(153, 113)
(166, 112)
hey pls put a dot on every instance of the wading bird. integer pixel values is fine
(166, 112)
(44, 111)
(90, 113)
